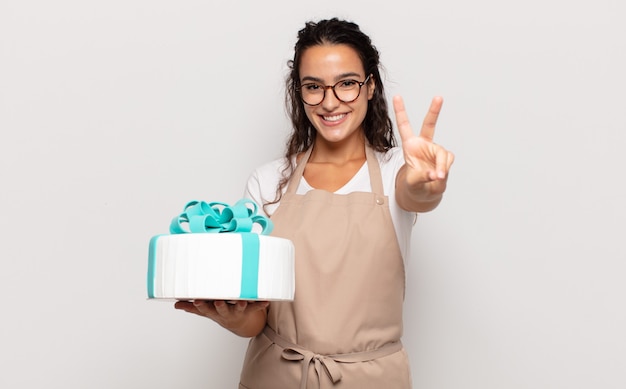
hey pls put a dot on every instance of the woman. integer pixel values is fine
(347, 197)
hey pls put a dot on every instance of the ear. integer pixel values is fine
(371, 86)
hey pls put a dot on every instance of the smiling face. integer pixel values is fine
(336, 122)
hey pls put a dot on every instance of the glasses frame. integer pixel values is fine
(326, 87)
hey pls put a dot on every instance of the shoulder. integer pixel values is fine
(263, 181)
(268, 174)
(270, 169)
(391, 161)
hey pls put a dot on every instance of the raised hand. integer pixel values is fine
(427, 164)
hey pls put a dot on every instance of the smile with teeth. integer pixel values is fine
(334, 118)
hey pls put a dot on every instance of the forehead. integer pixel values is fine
(330, 62)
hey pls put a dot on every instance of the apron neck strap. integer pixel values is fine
(376, 180)
(294, 181)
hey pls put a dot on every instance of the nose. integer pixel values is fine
(330, 101)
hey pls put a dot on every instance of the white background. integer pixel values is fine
(114, 114)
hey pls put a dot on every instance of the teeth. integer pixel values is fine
(334, 118)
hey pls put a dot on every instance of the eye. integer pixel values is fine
(312, 87)
(347, 84)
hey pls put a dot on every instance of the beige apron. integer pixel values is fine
(343, 329)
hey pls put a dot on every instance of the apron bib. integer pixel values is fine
(343, 329)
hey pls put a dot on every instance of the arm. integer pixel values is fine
(422, 179)
(246, 319)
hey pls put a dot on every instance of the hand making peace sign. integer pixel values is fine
(427, 164)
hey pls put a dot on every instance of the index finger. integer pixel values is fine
(430, 121)
(402, 119)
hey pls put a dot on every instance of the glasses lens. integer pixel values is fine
(312, 93)
(347, 90)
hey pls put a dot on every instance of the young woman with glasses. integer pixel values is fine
(347, 196)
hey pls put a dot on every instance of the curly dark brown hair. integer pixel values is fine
(377, 126)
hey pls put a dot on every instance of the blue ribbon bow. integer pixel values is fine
(215, 217)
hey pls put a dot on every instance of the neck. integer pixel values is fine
(338, 152)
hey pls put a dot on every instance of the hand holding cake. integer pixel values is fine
(242, 318)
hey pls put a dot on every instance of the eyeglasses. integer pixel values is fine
(346, 91)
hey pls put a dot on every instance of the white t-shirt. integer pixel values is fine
(262, 184)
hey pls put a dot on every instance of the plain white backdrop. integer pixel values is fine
(114, 114)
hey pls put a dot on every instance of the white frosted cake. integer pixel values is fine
(229, 265)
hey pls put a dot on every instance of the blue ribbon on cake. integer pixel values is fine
(217, 217)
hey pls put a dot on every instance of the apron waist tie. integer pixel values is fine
(328, 363)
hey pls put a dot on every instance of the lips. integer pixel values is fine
(334, 118)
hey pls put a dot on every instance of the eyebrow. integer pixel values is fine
(338, 78)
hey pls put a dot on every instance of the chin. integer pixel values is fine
(332, 135)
